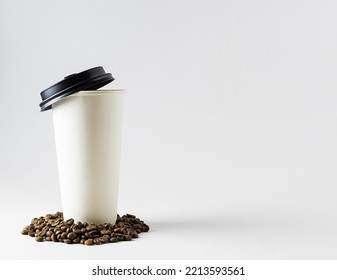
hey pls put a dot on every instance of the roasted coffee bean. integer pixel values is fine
(91, 227)
(97, 241)
(88, 242)
(137, 226)
(52, 227)
(72, 235)
(54, 238)
(43, 232)
(39, 238)
(106, 237)
(70, 222)
(105, 231)
(76, 240)
(146, 228)
(114, 239)
(88, 235)
(100, 227)
(103, 240)
(130, 216)
(93, 232)
(121, 237)
(54, 224)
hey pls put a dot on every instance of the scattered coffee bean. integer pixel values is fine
(105, 231)
(52, 227)
(25, 231)
(39, 239)
(70, 222)
(76, 240)
(145, 228)
(88, 235)
(113, 239)
(88, 242)
(54, 238)
(76, 229)
(97, 241)
(137, 226)
(91, 227)
(72, 235)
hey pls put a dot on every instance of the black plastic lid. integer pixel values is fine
(90, 79)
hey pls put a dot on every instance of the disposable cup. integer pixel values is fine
(87, 128)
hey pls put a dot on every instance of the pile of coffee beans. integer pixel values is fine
(52, 227)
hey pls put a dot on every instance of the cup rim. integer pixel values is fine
(98, 91)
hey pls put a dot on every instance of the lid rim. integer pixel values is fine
(91, 79)
(72, 79)
(77, 87)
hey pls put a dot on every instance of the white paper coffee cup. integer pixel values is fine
(87, 127)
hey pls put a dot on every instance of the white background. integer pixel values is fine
(229, 140)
